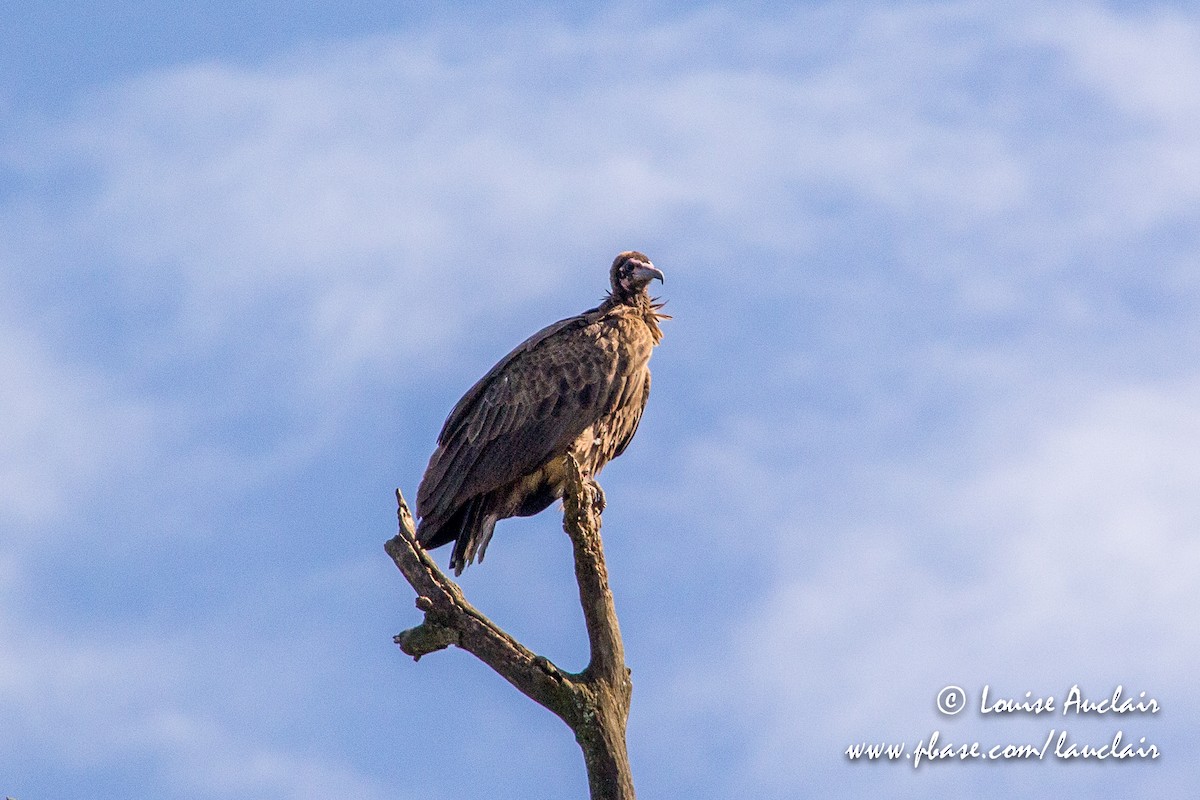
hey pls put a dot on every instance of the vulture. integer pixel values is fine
(578, 386)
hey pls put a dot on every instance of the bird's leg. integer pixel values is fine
(599, 502)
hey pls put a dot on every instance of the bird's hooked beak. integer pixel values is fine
(644, 273)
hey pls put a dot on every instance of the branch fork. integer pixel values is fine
(594, 703)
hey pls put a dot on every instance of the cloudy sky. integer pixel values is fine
(927, 413)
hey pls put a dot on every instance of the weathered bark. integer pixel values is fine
(594, 702)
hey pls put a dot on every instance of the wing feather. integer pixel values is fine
(529, 407)
(464, 406)
(631, 417)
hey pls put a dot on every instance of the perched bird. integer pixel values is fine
(578, 386)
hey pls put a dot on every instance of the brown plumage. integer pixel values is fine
(577, 386)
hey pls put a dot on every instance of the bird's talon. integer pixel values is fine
(599, 502)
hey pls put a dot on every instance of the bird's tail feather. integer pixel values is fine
(473, 537)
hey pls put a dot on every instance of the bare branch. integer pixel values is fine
(581, 521)
(595, 702)
(450, 619)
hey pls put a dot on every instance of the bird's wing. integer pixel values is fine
(628, 413)
(530, 406)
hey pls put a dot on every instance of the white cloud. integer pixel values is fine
(378, 200)
(1146, 62)
(386, 193)
(103, 698)
(1070, 557)
(207, 759)
(62, 430)
(1144, 66)
(1102, 516)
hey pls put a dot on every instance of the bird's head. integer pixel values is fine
(631, 274)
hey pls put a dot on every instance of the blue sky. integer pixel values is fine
(926, 413)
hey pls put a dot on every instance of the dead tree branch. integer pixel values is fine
(594, 702)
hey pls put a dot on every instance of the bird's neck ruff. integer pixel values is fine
(646, 306)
